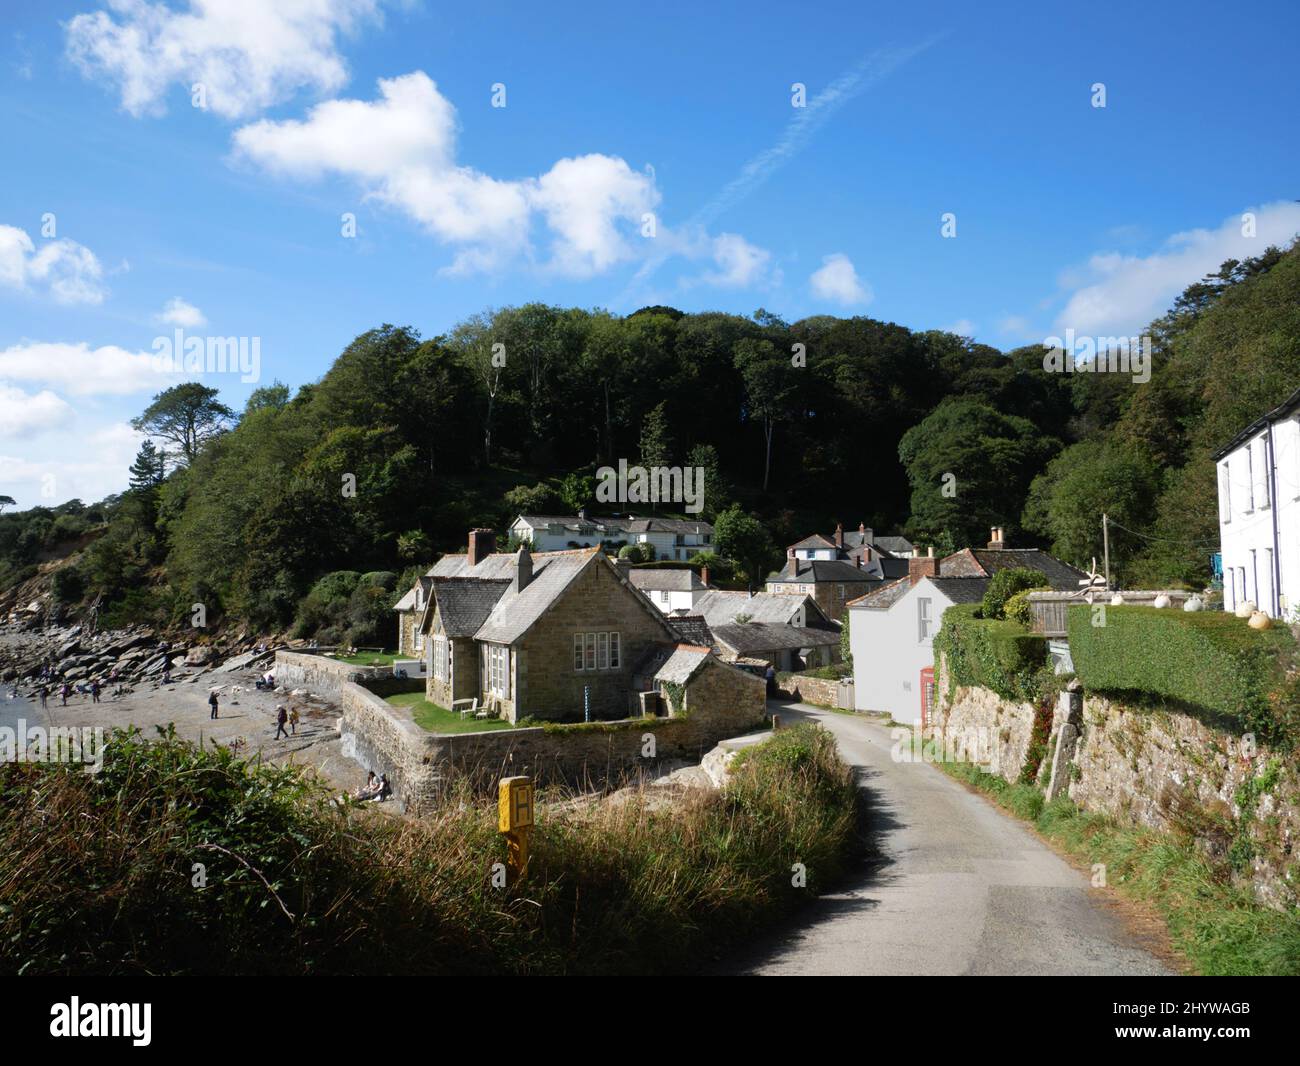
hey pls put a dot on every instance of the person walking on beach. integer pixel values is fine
(45, 696)
(293, 721)
(212, 702)
(281, 716)
(94, 691)
(65, 691)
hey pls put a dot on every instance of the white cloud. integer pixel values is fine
(87, 465)
(178, 312)
(739, 263)
(79, 370)
(1014, 326)
(963, 327)
(838, 281)
(401, 148)
(68, 271)
(25, 415)
(247, 54)
(1119, 295)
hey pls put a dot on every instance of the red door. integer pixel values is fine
(927, 696)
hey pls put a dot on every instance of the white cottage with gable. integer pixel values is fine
(1259, 512)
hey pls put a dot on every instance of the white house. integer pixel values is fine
(668, 590)
(671, 538)
(891, 637)
(892, 628)
(1259, 512)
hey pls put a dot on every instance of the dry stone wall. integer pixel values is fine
(1157, 769)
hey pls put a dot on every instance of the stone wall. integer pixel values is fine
(979, 726)
(386, 739)
(1156, 769)
(818, 690)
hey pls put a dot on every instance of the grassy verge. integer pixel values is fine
(440, 720)
(1217, 926)
(368, 658)
(176, 859)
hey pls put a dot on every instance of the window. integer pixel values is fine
(1262, 466)
(440, 658)
(1254, 575)
(922, 618)
(1250, 478)
(596, 651)
(419, 640)
(1225, 492)
(498, 669)
(663, 597)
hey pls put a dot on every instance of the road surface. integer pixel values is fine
(951, 886)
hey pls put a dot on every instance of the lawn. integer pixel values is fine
(368, 658)
(440, 720)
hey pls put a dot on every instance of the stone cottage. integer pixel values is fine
(555, 635)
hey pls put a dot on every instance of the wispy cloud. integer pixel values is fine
(799, 130)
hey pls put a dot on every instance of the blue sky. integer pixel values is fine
(1067, 215)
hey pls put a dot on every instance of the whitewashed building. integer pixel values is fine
(1259, 512)
(668, 590)
(672, 538)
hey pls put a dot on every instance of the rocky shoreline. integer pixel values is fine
(122, 660)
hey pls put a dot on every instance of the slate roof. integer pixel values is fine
(893, 545)
(893, 568)
(884, 597)
(817, 570)
(985, 562)
(466, 602)
(655, 579)
(693, 628)
(720, 607)
(612, 525)
(961, 589)
(514, 613)
(763, 636)
(682, 664)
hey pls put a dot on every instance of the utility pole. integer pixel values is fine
(1105, 546)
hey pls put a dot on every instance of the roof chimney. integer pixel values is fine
(482, 543)
(839, 534)
(704, 575)
(582, 513)
(523, 571)
(919, 567)
(995, 538)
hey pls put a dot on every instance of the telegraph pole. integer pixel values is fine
(1105, 546)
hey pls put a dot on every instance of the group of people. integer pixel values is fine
(285, 715)
(91, 689)
(375, 788)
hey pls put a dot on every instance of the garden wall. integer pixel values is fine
(386, 739)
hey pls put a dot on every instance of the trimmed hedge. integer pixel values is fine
(1206, 660)
(994, 653)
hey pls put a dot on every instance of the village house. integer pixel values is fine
(830, 582)
(1259, 512)
(790, 632)
(671, 538)
(670, 590)
(410, 610)
(892, 628)
(553, 635)
(852, 546)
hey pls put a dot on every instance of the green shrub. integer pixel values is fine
(1017, 609)
(994, 653)
(1005, 584)
(1209, 661)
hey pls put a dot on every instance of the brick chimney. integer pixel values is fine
(996, 538)
(839, 534)
(482, 543)
(922, 566)
(704, 575)
(523, 571)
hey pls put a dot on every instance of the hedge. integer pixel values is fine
(994, 653)
(1209, 661)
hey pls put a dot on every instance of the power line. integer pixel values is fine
(1166, 540)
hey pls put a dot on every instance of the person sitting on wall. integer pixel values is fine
(369, 790)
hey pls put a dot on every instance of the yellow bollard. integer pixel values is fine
(515, 820)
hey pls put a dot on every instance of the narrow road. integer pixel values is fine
(951, 886)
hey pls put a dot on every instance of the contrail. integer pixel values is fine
(869, 71)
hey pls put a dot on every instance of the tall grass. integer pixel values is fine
(1217, 925)
(180, 859)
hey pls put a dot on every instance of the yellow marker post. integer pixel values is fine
(515, 820)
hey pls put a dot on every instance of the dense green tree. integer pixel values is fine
(741, 537)
(188, 415)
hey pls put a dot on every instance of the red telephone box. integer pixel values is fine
(927, 696)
